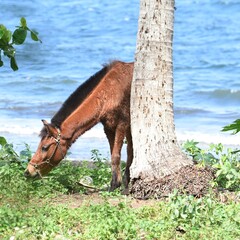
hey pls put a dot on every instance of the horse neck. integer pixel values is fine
(86, 116)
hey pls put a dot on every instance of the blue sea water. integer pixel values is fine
(79, 36)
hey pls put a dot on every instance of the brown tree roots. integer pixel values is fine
(191, 180)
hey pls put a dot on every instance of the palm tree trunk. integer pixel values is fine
(156, 151)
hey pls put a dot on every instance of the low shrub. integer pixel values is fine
(31, 210)
(226, 162)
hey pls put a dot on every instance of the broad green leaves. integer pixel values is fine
(3, 141)
(18, 37)
(5, 35)
(225, 161)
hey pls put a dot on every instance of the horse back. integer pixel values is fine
(115, 93)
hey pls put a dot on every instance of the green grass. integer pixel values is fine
(209, 219)
(30, 210)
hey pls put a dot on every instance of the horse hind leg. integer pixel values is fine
(126, 177)
(116, 144)
(110, 136)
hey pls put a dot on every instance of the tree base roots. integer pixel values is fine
(191, 180)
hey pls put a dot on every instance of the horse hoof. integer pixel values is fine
(111, 189)
(125, 192)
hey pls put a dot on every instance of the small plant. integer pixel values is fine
(199, 155)
(8, 155)
(188, 210)
(101, 171)
(228, 171)
(225, 161)
(9, 39)
(202, 217)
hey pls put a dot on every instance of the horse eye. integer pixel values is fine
(45, 148)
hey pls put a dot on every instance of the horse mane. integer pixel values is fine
(78, 96)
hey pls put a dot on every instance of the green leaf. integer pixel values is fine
(3, 30)
(184, 215)
(176, 213)
(3, 141)
(235, 127)
(234, 172)
(190, 208)
(23, 22)
(13, 64)
(6, 35)
(1, 33)
(9, 51)
(1, 62)
(19, 36)
(235, 151)
(34, 36)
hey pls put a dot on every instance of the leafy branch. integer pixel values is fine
(235, 127)
(9, 39)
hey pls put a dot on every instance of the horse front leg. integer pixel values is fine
(116, 158)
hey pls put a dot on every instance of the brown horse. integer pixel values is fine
(105, 98)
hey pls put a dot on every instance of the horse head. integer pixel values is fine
(51, 150)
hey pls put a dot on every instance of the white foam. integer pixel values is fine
(209, 137)
(20, 126)
(33, 127)
(20, 131)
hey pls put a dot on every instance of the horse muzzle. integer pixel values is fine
(33, 175)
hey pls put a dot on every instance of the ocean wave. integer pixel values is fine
(222, 94)
(207, 138)
(189, 111)
(220, 2)
(217, 65)
(228, 2)
(96, 139)
(33, 109)
(23, 128)
(19, 126)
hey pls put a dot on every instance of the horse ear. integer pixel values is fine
(49, 127)
(45, 123)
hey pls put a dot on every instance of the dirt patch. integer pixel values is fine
(93, 198)
(191, 180)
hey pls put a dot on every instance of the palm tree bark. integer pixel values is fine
(156, 150)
